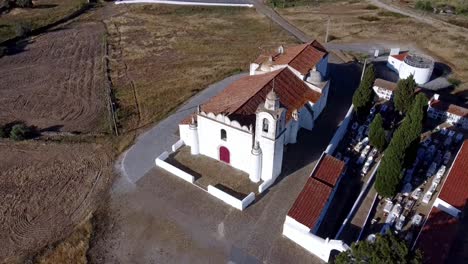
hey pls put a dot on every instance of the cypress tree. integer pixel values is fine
(404, 94)
(377, 133)
(364, 95)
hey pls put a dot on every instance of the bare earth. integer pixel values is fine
(46, 189)
(56, 81)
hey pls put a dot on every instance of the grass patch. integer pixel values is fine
(173, 59)
(20, 21)
(390, 14)
(459, 22)
(71, 250)
(369, 18)
(454, 81)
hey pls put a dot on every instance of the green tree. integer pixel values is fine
(20, 132)
(364, 95)
(404, 94)
(385, 249)
(377, 133)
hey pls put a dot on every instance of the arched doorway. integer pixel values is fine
(224, 154)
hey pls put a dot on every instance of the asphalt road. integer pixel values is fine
(154, 217)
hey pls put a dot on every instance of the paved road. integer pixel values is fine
(162, 219)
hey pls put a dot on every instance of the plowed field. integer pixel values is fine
(45, 191)
(56, 81)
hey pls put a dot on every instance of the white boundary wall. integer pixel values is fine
(231, 200)
(310, 242)
(265, 185)
(225, 197)
(340, 132)
(179, 3)
(172, 169)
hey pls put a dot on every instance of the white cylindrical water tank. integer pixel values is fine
(420, 67)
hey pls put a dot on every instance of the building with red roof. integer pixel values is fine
(250, 121)
(441, 226)
(310, 207)
(453, 114)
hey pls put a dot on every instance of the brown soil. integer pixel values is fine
(56, 81)
(46, 189)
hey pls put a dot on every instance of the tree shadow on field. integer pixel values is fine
(32, 131)
(55, 128)
(17, 47)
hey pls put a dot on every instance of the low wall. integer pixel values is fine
(177, 145)
(160, 162)
(265, 185)
(231, 200)
(340, 132)
(316, 245)
(180, 3)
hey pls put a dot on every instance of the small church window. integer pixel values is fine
(223, 135)
(265, 125)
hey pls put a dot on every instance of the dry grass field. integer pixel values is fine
(44, 12)
(162, 55)
(56, 81)
(361, 22)
(46, 189)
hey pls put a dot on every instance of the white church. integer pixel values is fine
(249, 123)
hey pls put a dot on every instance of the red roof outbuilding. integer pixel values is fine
(455, 189)
(317, 191)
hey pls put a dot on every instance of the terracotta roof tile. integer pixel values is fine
(309, 204)
(330, 170)
(301, 57)
(391, 86)
(437, 236)
(455, 188)
(450, 108)
(400, 56)
(241, 99)
(314, 196)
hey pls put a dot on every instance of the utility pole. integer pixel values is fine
(364, 69)
(328, 28)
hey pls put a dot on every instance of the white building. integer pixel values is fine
(406, 64)
(248, 124)
(384, 89)
(450, 113)
(304, 219)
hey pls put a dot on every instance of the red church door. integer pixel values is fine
(224, 154)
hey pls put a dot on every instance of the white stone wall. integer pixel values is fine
(231, 200)
(310, 242)
(238, 142)
(420, 75)
(447, 117)
(446, 207)
(393, 63)
(322, 66)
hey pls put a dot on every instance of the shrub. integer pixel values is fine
(22, 30)
(424, 5)
(370, 7)
(23, 3)
(20, 132)
(390, 14)
(369, 18)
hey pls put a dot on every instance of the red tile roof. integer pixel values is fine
(400, 56)
(437, 236)
(301, 57)
(241, 99)
(450, 108)
(330, 170)
(385, 84)
(309, 204)
(316, 192)
(455, 188)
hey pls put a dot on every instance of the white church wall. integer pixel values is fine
(446, 207)
(305, 119)
(184, 134)
(322, 66)
(238, 142)
(160, 162)
(231, 200)
(314, 244)
(393, 63)
(340, 132)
